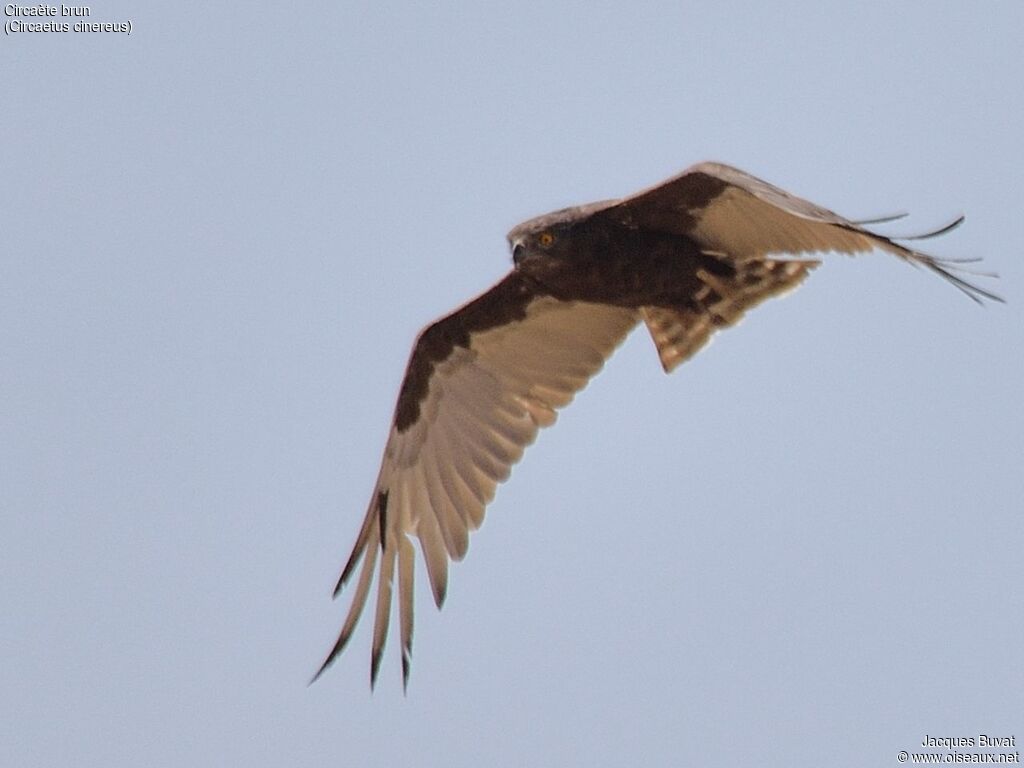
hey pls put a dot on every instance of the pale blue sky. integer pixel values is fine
(220, 237)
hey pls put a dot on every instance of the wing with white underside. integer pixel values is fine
(739, 216)
(481, 405)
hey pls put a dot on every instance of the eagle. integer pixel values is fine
(685, 258)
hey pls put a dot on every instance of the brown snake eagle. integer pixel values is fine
(685, 258)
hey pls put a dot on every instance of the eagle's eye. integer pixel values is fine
(545, 239)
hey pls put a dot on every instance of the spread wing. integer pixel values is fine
(744, 218)
(479, 385)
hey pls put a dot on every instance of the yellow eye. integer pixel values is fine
(545, 239)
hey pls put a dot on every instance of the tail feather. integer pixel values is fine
(721, 301)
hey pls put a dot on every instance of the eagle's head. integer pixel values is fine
(549, 237)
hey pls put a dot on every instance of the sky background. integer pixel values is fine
(221, 235)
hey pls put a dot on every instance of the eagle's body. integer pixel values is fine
(686, 258)
(603, 262)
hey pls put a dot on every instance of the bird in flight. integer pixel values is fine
(685, 258)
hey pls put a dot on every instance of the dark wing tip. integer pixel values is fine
(347, 572)
(406, 663)
(440, 591)
(945, 270)
(359, 549)
(339, 646)
(319, 672)
(327, 663)
(375, 665)
(935, 232)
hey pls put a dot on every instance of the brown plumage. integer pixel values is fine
(686, 258)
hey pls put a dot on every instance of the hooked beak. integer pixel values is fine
(518, 253)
